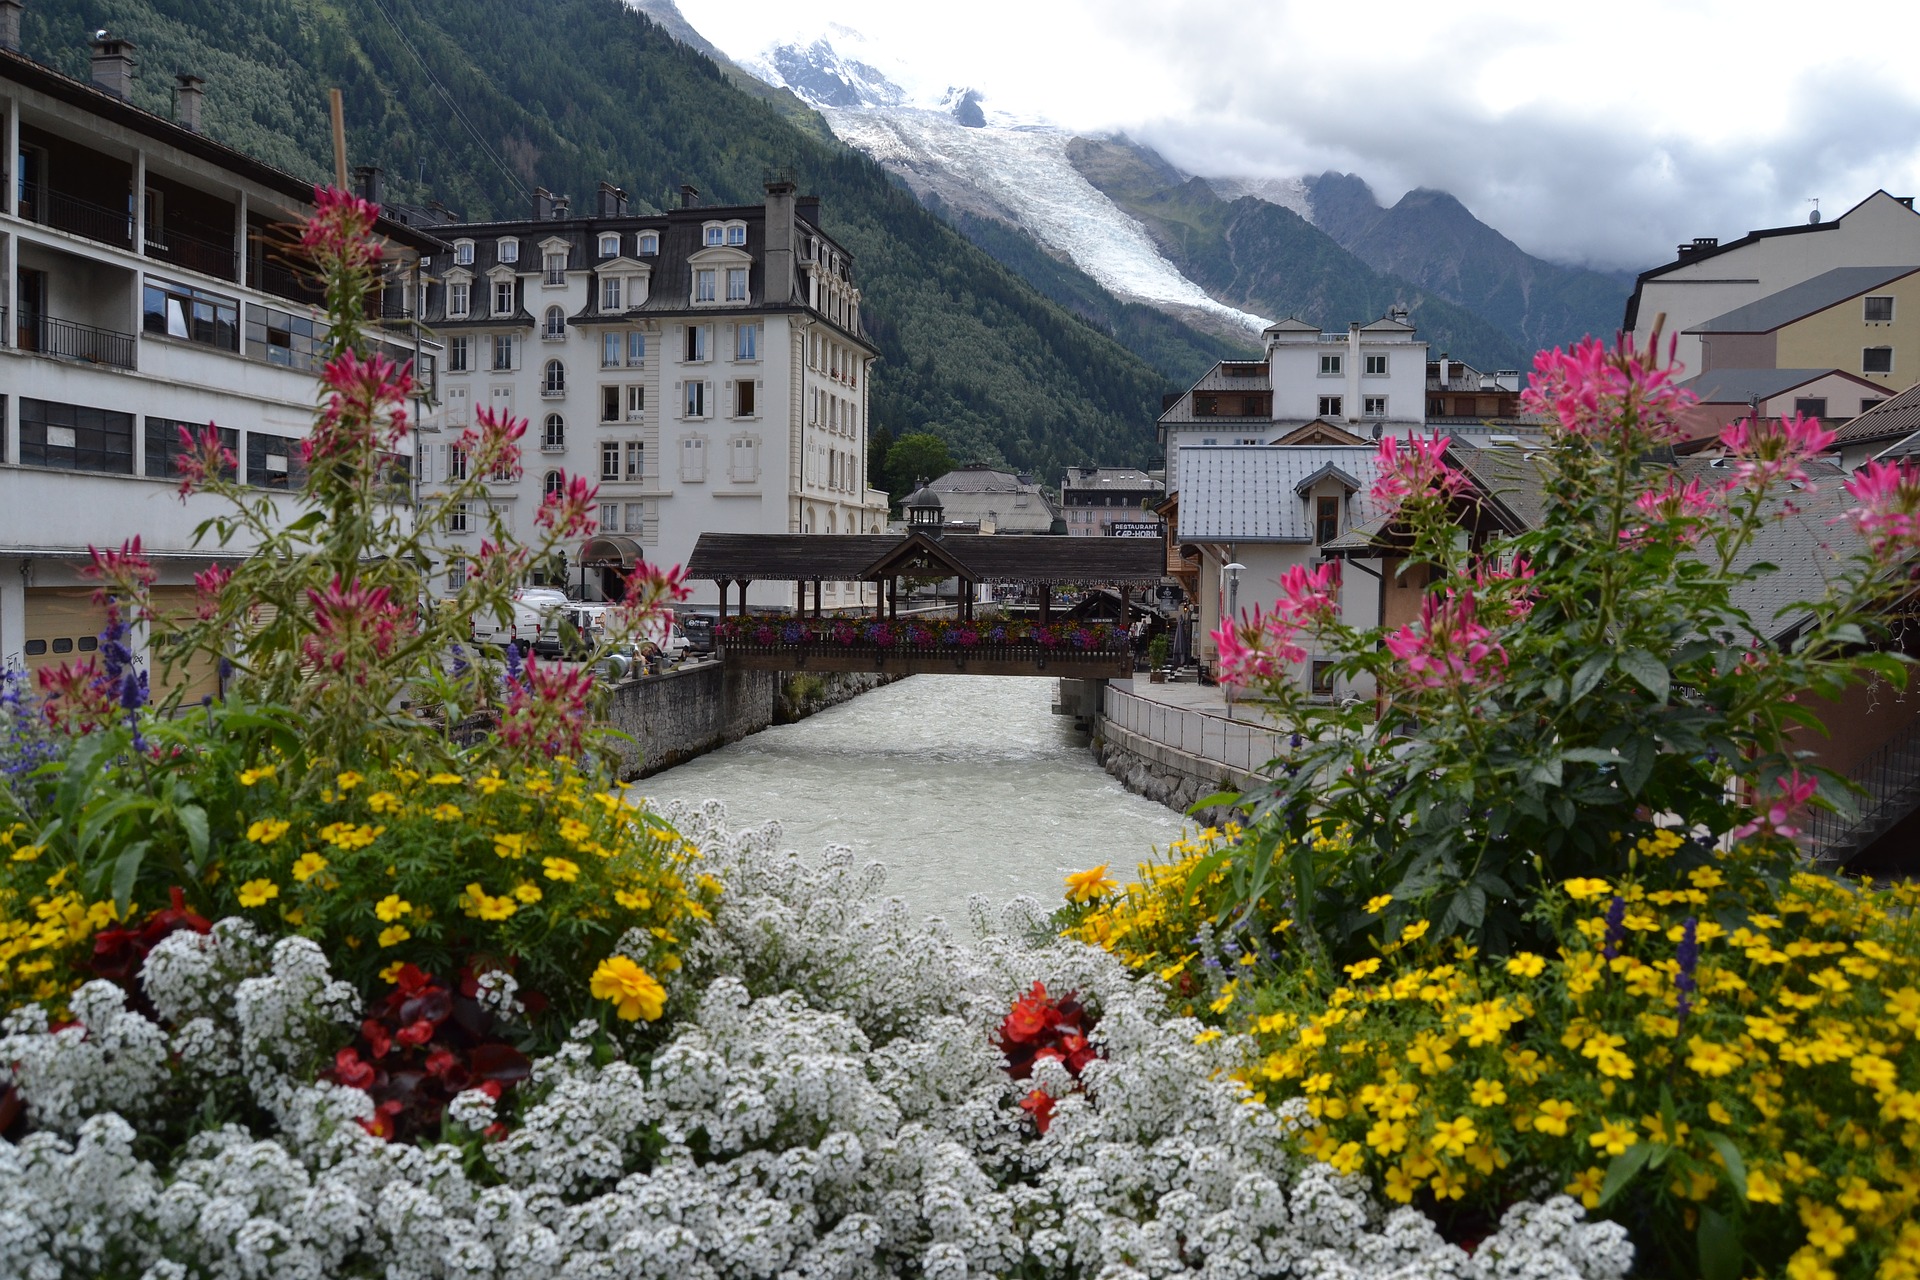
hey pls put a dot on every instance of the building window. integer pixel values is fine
(736, 284)
(503, 351)
(1330, 364)
(609, 350)
(636, 403)
(456, 462)
(457, 355)
(554, 379)
(649, 243)
(1879, 310)
(703, 281)
(1869, 403)
(1377, 366)
(609, 517)
(181, 311)
(609, 404)
(1876, 360)
(164, 445)
(457, 517)
(1326, 519)
(1330, 406)
(693, 459)
(554, 437)
(743, 400)
(737, 234)
(463, 253)
(556, 323)
(503, 297)
(609, 459)
(610, 294)
(743, 460)
(273, 462)
(1811, 406)
(282, 338)
(746, 342)
(456, 576)
(714, 234)
(75, 438)
(636, 348)
(1373, 406)
(1322, 678)
(636, 460)
(610, 245)
(636, 517)
(696, 406)
(509, 251)
(553, 484)
(696, 342)
(556, 267)
(458, 294)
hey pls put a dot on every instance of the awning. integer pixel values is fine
(610, 551)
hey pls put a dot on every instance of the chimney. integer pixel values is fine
(113, 65)
(779, 242)
(10, 24)
(542, 204)
(368, 183)
(613, 201)
(689, 196)
(808, 208)
(562, 206)
(189, 96)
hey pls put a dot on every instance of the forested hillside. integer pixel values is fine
(474, 102)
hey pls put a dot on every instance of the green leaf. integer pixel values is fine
(1648, 672)
(1620, 1172)
(1546, 772)
(1736, 1167)
(125, 871)
(306, 522)
(1468, 907)
(1667, 1125)
(193, 821)
(1554, 689)
(1591, 673)
(1637, 756)
(1720, 1252)
(1214, 801)
(1588, 755)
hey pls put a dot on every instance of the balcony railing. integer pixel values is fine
(70, 340)
(81, 217)
(196, 253)
(1891, 779)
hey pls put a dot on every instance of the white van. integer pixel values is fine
(523, 627)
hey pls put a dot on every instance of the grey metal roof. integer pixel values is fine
(1737, 386)
(1907, 448)
(1125, 479)
(1889, 420)
(1232, 377)
(1246, 493)
(1802, 300)
(975, 493)
(1809, 547)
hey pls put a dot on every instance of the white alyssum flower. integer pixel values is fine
(828, 1103)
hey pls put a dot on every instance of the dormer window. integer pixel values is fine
(555, 262)
(714, 235)
(509, 251)
(457, 299)
(610, 245)
(463, 253)
(649, 243)
(737, 233)
(503, 297)
(610, 294)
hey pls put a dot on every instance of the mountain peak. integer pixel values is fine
(820, 76)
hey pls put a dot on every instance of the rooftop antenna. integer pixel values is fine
(1813, 219)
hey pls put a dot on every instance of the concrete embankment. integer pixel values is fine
(1176, 755)
(701, 707)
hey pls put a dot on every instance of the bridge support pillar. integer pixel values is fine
(1081, 698)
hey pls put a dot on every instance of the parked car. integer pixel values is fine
(568, 630)
(523, 626)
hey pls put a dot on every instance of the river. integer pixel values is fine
(959, 784)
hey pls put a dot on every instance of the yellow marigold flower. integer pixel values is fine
(633, 992)
(573, 831)
(260, 774)
(445, 780)
(527, 892)
(1827, 1229)
(255, 893)
(347, 835)
(560, 869)
(392, 972)
(1525, 964)
(489, 783)
(448, 812)
(1376, 905)
(1831, 980)
(1584, 887)
(1762, 1189)
(1348, 1159)
(509, 845)
(1447, 1184)
(1710, 1059)
(483, 906)
(267, 830)
(1387, 1136)
(1084, 886)
(348, 781)
(1208, 1036)
(1399, 1186)
(633, 899)
(28, 852)
(393, 935)
(1860, 1197)
(1415, 931)
(1488, 1093)
(1362, 968)
(1586, 1186)
(1613, 1137)
(307, 866)
(1552, 1116)
(1452, 1137)
(391, 908)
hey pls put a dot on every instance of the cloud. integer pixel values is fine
(1598, 136)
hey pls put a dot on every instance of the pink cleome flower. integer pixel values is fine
(362, 394)
(547, 708)
(1795, 791)
(570, 510)
(1769, 451)
(341, 229)
(1262, 645)
(347, 614)
(1888, 514)
(1603, 394)
(1449, 648)
(1414, 468)
(201, 456)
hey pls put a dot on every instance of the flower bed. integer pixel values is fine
(993, 635)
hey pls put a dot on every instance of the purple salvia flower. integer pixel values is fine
(1616, 927)
(1688, 958)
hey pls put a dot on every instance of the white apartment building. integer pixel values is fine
(143, 286)
(706, 367)
(1368, 381)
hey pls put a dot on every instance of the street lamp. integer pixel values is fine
(1231, 572)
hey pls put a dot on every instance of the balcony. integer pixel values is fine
(81, 217)
(210, 257)
(70, 340)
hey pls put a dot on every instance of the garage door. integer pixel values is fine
(198, 676)
(63, 625)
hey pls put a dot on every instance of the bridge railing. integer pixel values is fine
(1233, 743)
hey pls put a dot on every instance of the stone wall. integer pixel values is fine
(1164, 774)
(695, 709)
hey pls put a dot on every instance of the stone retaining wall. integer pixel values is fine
(1164, 774)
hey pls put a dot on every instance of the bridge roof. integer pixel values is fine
(1012, 558)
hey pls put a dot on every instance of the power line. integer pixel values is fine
(447, 98)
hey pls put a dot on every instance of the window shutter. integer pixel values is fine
(732, 408)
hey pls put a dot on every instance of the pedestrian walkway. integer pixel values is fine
(1191, 695)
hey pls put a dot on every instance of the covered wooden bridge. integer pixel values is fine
(881, 639)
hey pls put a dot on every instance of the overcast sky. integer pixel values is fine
(1595, 133)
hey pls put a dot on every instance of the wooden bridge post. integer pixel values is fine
(1046, 601)
(724, 584)
(816, 597)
